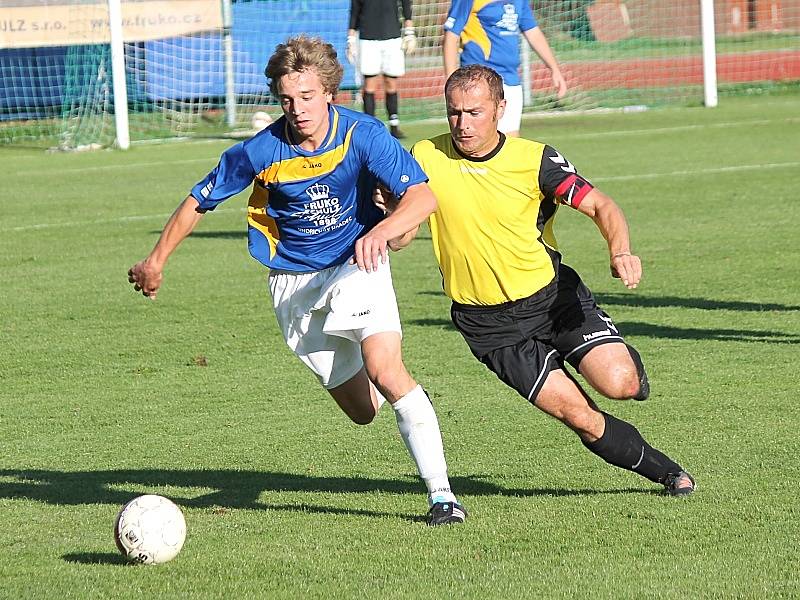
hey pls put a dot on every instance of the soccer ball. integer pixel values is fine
(150, 529)
(260, 120)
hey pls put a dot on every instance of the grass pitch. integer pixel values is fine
(106, 395)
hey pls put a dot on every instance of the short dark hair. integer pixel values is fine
(469, 76)
(301, 53)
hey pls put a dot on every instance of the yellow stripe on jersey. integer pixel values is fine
(485, 231)
(306, 167)
(257, 217)
(474, 32)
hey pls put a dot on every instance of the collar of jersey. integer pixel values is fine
(485, 157)
(333, 125)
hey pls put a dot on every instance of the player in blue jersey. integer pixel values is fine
(488, 33)
(313, 222)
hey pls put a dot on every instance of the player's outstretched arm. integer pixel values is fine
(146, 275)
(414, 207)
(611, 222)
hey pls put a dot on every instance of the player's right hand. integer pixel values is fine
(351, 49)
(146, 278)
(628, 268)
(370, 250)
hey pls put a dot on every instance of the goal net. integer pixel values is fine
(191, 69)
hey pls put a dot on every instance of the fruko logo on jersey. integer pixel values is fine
(321, 211)
(509, 21)
(448, 25)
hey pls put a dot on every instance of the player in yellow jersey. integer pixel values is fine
(522, 312)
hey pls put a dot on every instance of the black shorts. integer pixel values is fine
(522, 341)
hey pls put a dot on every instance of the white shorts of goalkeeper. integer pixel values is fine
(382, 56)
(325, 315)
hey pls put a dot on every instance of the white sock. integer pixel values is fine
(419, 429)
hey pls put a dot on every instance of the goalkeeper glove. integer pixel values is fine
(350, 49)
(409, 43)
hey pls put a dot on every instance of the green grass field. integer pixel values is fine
(105, 395)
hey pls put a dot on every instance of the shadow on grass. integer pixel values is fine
(238, 489)
(723, 335)
(638, 301)
(96, 558)
(666, 332)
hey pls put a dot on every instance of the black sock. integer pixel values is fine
(623, 446)
(392, 109)
(369, 103)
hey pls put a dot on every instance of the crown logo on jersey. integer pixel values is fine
(318, 191)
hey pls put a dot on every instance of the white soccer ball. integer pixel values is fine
(150, 529)
(260, 120)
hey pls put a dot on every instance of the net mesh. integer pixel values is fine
(612, 53)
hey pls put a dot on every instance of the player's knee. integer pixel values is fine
(623, 383)
(390, 377)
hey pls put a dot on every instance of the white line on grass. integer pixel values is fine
(126, 219)
(595, 179)
(127, 165)
(624, 132)
(698, 171)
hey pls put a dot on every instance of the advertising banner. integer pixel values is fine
(23, 25)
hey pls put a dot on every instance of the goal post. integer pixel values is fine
(710, 98)
(122, 129)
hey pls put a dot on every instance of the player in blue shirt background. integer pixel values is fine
(313, 222)
(487, 31)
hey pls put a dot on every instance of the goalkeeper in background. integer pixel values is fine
(381, 50)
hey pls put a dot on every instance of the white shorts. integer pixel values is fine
(325, 315)
(513, 115)
(381, 56)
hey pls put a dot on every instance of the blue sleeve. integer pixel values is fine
(457, 16)
(390, 163)
(233, 173)
(526, 19)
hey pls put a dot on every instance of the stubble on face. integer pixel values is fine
(472, 115)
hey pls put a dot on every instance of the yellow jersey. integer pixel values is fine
(493, 230)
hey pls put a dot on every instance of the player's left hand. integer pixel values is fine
(370, 249)
(559, 83)
(409, 42)
(384, 199)
(628, 268)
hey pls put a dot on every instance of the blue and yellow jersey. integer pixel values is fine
(307, 209)
(489, 32)
(493, 229)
